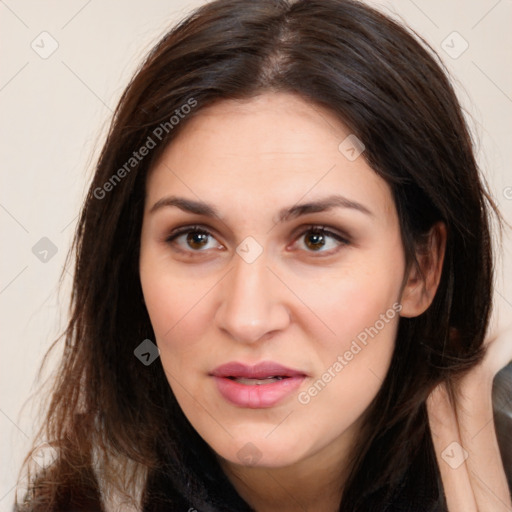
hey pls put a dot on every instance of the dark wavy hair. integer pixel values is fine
(114, 423)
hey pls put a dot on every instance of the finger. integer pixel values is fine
(499, 350)
(450, 454)
(478, 436)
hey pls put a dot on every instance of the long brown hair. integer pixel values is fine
(114, 422)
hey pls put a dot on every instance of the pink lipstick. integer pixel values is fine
(260, 386)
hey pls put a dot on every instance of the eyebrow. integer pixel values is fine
(187, 205)
(322, 205)
(202, 208)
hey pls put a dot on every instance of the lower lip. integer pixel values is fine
(257, 396)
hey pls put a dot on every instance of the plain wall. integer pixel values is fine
(54, 112)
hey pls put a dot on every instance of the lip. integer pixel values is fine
(258, 371)
(256, 396)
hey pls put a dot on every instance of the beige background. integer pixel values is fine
(54, 112)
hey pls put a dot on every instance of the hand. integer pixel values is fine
(498, 342)
(464, 436)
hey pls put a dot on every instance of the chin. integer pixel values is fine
(258, 452)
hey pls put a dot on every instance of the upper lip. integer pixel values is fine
(261, 370)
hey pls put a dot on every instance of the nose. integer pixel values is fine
(252, 303)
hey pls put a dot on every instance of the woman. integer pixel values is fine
(289, 208)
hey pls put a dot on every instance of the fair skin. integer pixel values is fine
(479, 483)
(288, 295)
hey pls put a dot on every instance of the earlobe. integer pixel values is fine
(423, 279)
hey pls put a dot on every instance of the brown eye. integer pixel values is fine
(193, 239)
(321, 240)
(314, 240)
(197, 239)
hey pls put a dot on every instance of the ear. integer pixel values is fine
(423, 279)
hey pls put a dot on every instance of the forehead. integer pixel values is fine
(266, 151)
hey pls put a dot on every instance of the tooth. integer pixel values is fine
(257, 382)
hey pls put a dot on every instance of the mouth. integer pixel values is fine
(259, 386)
(258, 382)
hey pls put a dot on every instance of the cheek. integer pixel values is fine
(177, 313)
(353, 365)
(180, 312)
(173, 302)
(361, 310)
(351, 301)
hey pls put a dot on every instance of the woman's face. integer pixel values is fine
(272, 266)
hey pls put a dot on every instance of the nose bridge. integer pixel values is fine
(252, 305)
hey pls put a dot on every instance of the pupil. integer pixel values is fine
(315, 240)
(196, 239)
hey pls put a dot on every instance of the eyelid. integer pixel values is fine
(182, 230)
(336, 233)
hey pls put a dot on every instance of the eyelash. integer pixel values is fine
(312, 229)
